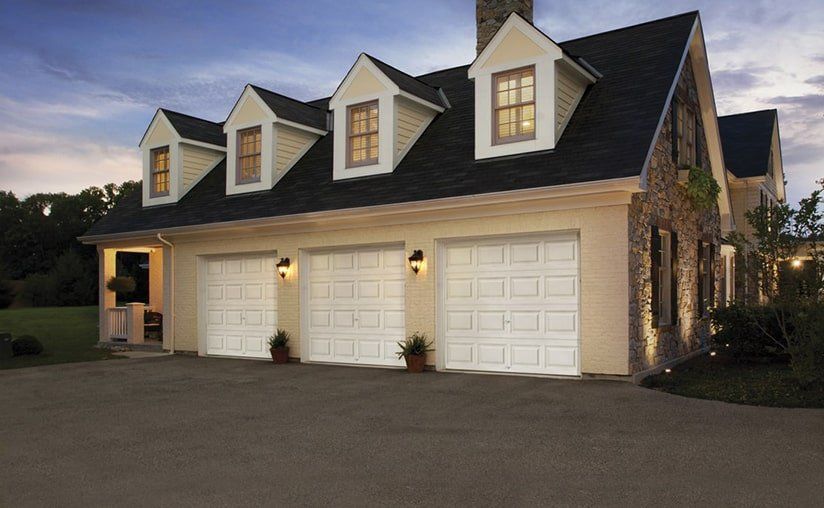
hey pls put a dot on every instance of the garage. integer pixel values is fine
(354, 301)
(240, 305)
(511, 304)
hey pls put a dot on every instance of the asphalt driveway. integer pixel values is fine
(193, 431)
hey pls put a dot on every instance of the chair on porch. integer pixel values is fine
(152, 325)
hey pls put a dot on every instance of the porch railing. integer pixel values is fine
(118, 325)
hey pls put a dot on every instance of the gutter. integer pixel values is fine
(171, 290)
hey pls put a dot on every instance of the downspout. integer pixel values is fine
(171, 289)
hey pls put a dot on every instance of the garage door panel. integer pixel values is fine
(356, 305)
(241, 305)
(511, 304)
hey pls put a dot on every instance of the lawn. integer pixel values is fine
(68, 334)
(752, 383)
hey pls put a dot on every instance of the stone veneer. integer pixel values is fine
(491, 14)
(667, 200)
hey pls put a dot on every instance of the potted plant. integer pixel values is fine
(279, 346)
(414, 350)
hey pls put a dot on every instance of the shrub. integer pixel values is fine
(6, 293)
(415, 344)
(121, 284)
(26, 345)
(806, 342)
(279, 339)
(740, 330)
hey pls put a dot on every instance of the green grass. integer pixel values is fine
(68, 334)
(751, 383)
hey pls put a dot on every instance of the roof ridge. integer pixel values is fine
(694, 12)
(167, 110)
(419, 76)
(769, 110)
(284, 96)
(395, 68)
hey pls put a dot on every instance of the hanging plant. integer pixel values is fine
(702, 188)
(121, 284)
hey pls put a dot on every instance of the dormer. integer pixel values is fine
(267, 133)
(526, 89)
(178, 150)
(379, 112)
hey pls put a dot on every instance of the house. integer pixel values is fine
(525, 210)
(755, 171)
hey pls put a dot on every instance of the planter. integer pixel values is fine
(415, 363)
(280, 354)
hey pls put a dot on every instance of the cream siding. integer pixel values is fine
(363, 84)
(411, 122)
(195, 160)
(568, 92)
(602, 229)
(291, 144)
(515, 46)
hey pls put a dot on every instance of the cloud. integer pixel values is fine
(814, 102)
(816, 80)
(740, 79)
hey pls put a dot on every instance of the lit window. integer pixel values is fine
(362, 141)
(514, 106)
(159, 171)
(248, 159)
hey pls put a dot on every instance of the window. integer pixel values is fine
(362, 136)
(664, 275)
(706, 287)
(248, 155)
(159, 164)
(513, 106)
(686, 135)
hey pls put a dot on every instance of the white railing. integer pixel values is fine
(118, 325)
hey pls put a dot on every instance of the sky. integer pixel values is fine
(82, 80)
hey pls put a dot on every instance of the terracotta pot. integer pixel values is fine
(280, 354)
(415, 363)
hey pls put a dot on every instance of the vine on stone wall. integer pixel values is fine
(702, 188)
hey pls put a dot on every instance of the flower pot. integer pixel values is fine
(280, 354)
(415, 363)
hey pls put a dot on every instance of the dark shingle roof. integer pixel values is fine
(608, 137)
(292, 109)
(746, 139)
(198, 129)
(409, 83)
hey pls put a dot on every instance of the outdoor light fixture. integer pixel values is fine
(796, 263)
(667, 370)
(712, 353)
(283, 267)
(416, 260)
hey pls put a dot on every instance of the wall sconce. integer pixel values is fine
(796, 263)
(283, 267)
(416, 260)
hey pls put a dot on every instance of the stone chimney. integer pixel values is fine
(491, 14)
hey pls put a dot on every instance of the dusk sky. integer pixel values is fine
(81, 80)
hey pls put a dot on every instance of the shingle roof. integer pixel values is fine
(292, 109)
(409, 83)
(607, 137)
(746, 139)
(198, 129)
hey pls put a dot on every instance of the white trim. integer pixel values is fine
(558, 197)
(201, 144)
(415, 98)
(300, 126)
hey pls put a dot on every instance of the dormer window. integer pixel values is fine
(249, 149)
(160, 171)
(514, 105)
(363, 138)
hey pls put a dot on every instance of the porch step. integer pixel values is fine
(153, 346)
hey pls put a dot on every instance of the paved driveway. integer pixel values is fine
(194, 431)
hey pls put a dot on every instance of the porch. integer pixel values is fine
(137, 324)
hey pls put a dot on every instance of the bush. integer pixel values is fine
(739, 330)
(26, 345)
(806, 342)
(39, 290)
(121, 284)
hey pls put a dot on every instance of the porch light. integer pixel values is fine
(796, 263)
(416, 260)
(283, 267)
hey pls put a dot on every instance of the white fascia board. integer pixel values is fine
(583, 73)
(363, 61)
(202, 144)
(415, 98)
(529, 30)
(158, 118)
(248, 94)
(302, 127)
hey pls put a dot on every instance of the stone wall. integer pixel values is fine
(666, 201)
(491, 14)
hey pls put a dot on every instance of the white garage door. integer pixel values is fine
(241, 305)
(511, 304)
(355, 302)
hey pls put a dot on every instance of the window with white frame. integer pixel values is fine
(160, 175)
(513, 105)
(248, 155)
(362, 135)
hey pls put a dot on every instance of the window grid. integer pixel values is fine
(363, 135)
(248, 161)
(514, 106)
(160, 171)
